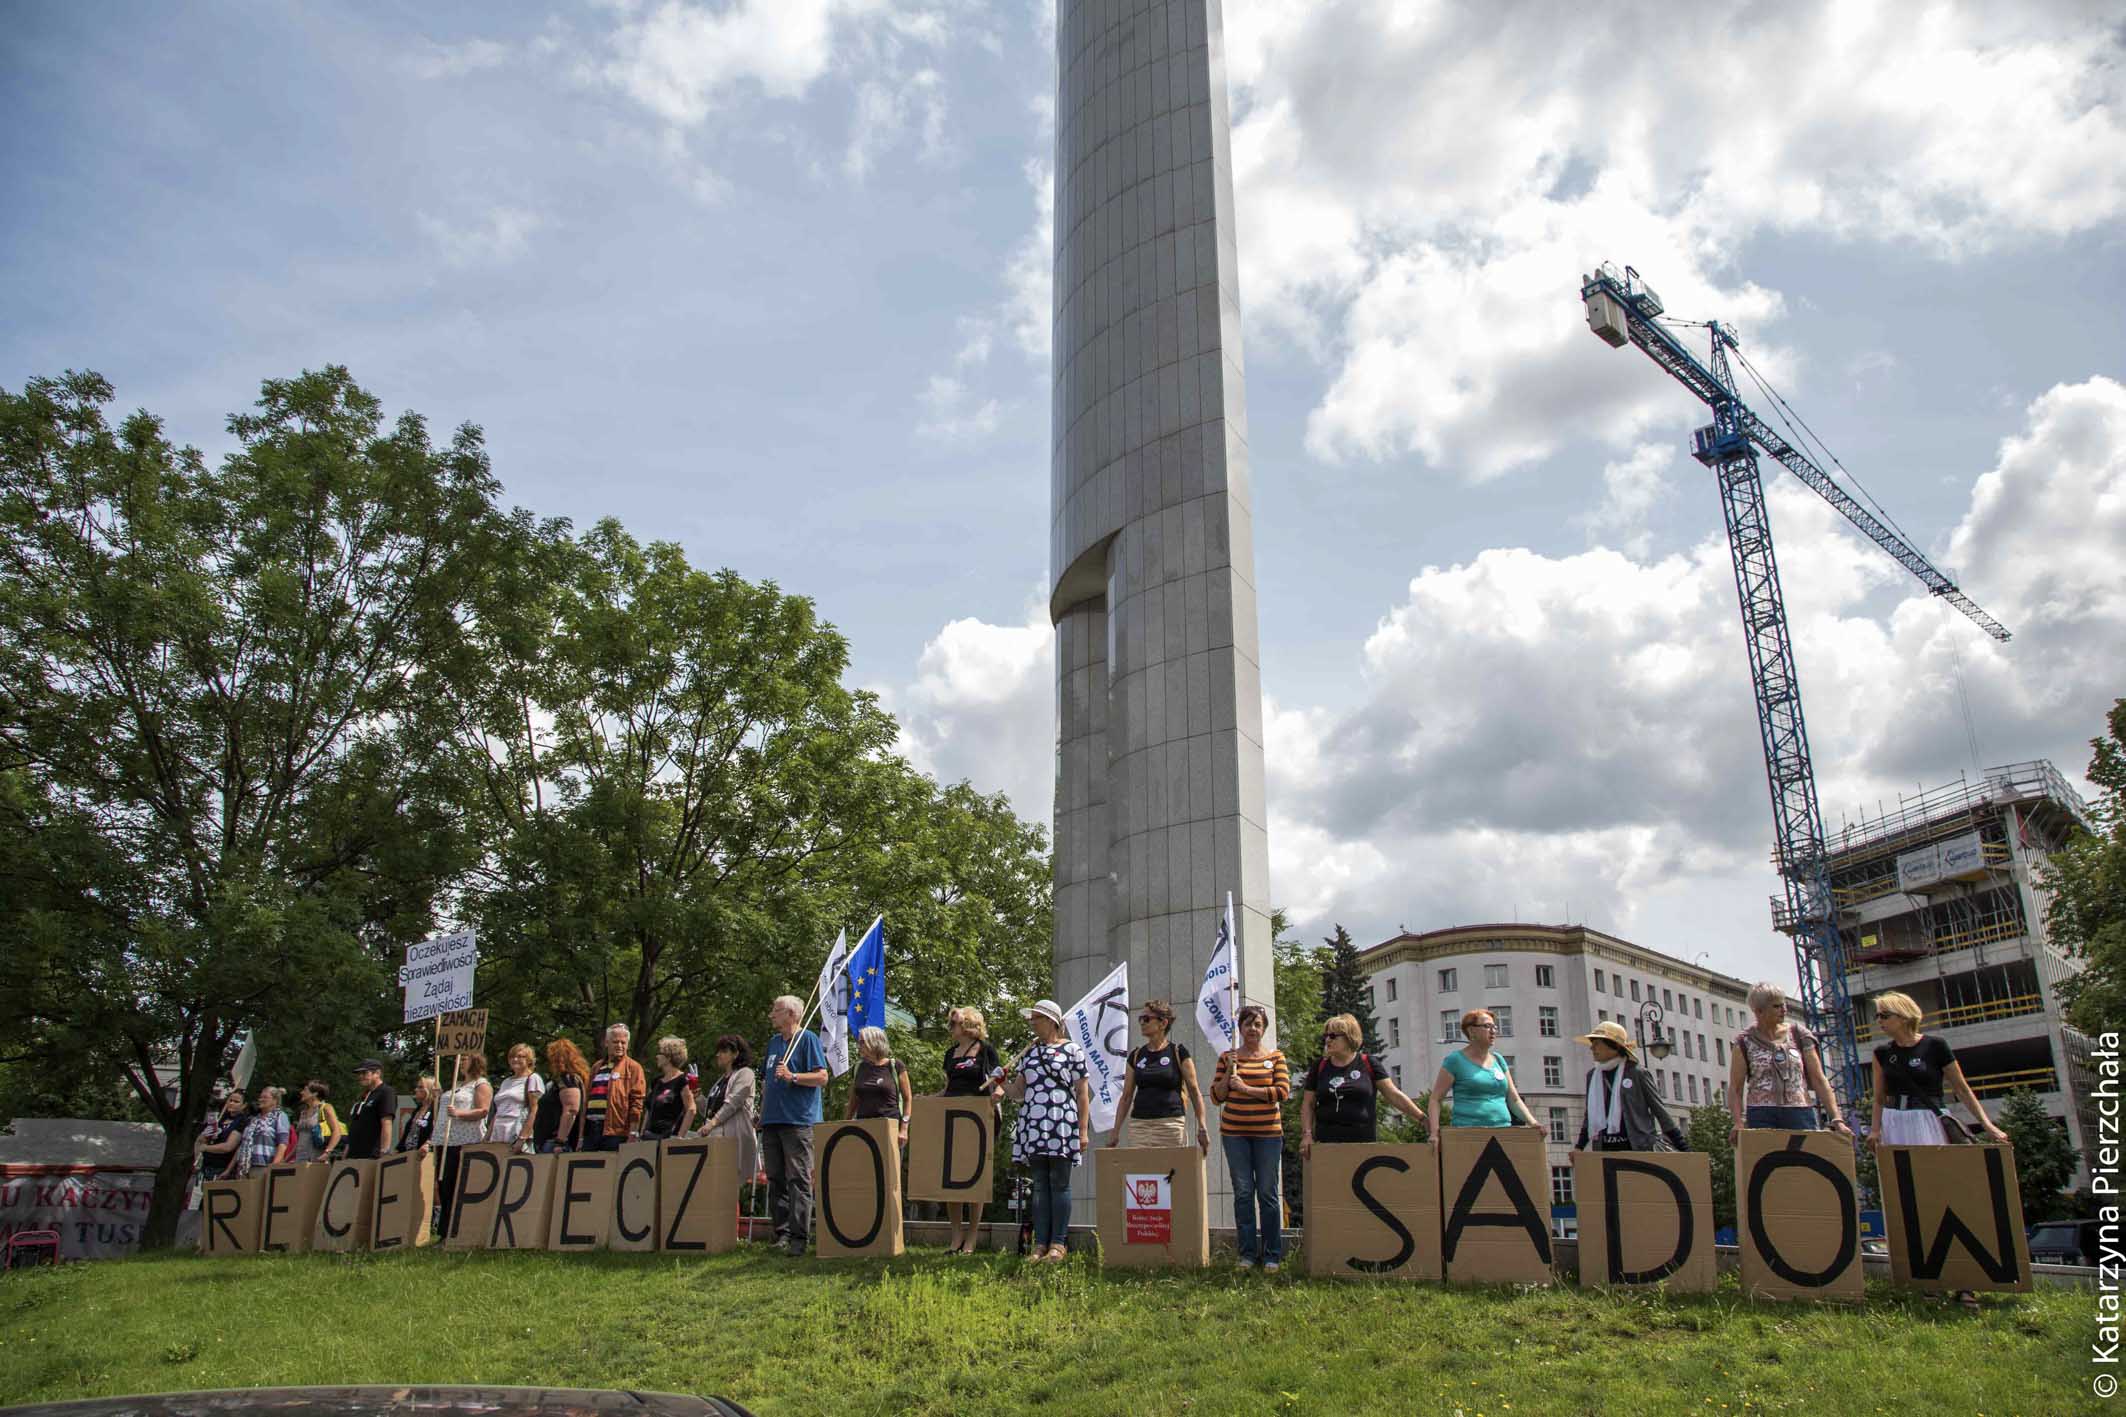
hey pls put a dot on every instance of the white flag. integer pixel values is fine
(1099, 1024)
(833, 991)
(1215, 996)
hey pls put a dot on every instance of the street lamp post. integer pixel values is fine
(1651, 1038)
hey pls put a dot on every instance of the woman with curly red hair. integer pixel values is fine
(560, 1114)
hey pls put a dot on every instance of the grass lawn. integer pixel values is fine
(930, 1333)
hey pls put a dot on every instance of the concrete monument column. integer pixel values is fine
(1159, 790)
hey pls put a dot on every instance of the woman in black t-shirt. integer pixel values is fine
(557, 1125)
(972, 1069)
(668, 1109)
(1343, 1089)
(1158, 1078)
(1913, 1073)
(881, 1085)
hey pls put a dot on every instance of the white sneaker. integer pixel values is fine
(1246, 1263)
(1269, 1266)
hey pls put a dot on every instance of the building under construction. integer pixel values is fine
(1941, 898)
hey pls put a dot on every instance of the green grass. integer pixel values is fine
(930, 1333)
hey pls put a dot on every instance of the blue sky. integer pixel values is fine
(771, 280)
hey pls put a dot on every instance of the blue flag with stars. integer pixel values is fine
(867, 979)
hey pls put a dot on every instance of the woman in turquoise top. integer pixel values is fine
(1482, 1088)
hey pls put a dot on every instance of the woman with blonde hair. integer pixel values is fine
(1158, 1085)
(971, 1070)
(1344, 1089)
(517, 1099)
(560, 1112)
(881, 1085)
(1477, 1081)
(317, 1126)
(1774, 1069)
(265, 1135)
(421, 1124)
(668, 1110)
(1913, 1073)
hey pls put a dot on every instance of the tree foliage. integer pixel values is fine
(2086, 879)
(1708, 1128)
(1343, 986)
(2044, 1158)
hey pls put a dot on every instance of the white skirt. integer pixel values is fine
(1902, 1126)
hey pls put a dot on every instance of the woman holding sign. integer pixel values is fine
(1159, 1079)
(1624, 1113)
(1478, 1081)
(971, 1069)
(1055, 1124)
(1341, 1090)
(464, 1123)
(1775, 1068)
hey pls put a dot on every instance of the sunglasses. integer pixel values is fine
(1884, 1013)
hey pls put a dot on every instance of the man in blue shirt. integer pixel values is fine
(793, 1070)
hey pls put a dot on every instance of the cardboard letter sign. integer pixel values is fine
(859, 1170)
(697, 1196)
(229, 1214)
(1144, 1193)
(635, 1198)
(526, 1189)
(461, 1031)
(405, 1194)
(347, 1207)
(581, 1210)
(1494, 1185)
(951, 1145)
(291, 1197)
(1373, 1211)
(1955, 1217)
(1646, 1217)
(1797, 1215)
(472, 1218)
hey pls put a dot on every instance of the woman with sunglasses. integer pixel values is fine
(1774, 1069)
(1914, 1073)
(1343, 1089)
(1477, 1081)
(1159, 1080)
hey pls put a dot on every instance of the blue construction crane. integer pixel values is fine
(1622, 309)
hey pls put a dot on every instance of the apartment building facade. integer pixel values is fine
(1549, 984)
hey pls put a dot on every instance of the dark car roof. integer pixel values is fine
(387, 1399)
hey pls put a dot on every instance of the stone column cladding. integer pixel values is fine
(1159, 775)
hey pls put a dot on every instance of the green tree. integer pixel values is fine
(1299, 1019)
(1343, 986)
(2086, 879)
(1709, 1131)
(2044, 1158)
(220, 693)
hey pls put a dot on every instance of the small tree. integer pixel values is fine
(2087, 882)
(1708, 1129)
(2044, 1158)
(1343, 985)
(1299, 1015)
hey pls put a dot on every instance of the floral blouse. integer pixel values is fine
(1048, 1117)
(1774, 1076)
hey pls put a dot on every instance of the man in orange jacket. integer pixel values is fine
(612, 1112)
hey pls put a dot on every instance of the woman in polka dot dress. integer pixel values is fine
(1054, 1128)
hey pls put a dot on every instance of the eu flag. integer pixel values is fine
(867, 979)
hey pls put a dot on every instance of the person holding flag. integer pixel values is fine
(794, 1069)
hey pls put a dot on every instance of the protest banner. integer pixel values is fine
(581, 1211)
(293, 1192)
(635, 1198)
(1646, 1217)
(98, 1211)
(437, 975)
(1373, 1211)
(347, 1208)
(461, 1031)
(697, 1196)
(1797, 1214)
(525, 1191)
(405, 1196)
(1955, 1217)
(229, 1214)
(859, 1188)
(1495, 1191)
(1151, 1207)
(951, 1150)
(1099, 1025)
(472, 1212)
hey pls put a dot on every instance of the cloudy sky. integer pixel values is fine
(770, 277)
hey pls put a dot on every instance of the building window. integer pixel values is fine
(1494, 976)
(1395, 1033)
(1684, 1034)
(1546, 977)
(1602, 1015)
(1560, 1119)
(1693, 1089)
(1546, 1020)
(1395, 1071)
(1507, 1059)
(1446, 981)
(1655, 1074)
(1635, 991)
(1668, 1000)
(1553, 1072)
(1504, 1015)
(1561, 1185)
(1371, 1002)
(1721, 1044)
(1389, 985)
(1616, 985)
(1697, 1008)
(1601, 986)
(1450, 1028)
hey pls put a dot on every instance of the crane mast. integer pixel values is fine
(1622, 309)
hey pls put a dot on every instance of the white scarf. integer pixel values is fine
(1605, 1105)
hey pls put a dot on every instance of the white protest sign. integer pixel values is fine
(437, 975)
(1099, 1024)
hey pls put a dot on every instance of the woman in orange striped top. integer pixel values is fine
(1251, 1085)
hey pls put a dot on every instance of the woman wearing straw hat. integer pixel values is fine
(1624, 1113)
(1054, 1128)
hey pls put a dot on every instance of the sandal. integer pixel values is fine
(1969, 1299)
